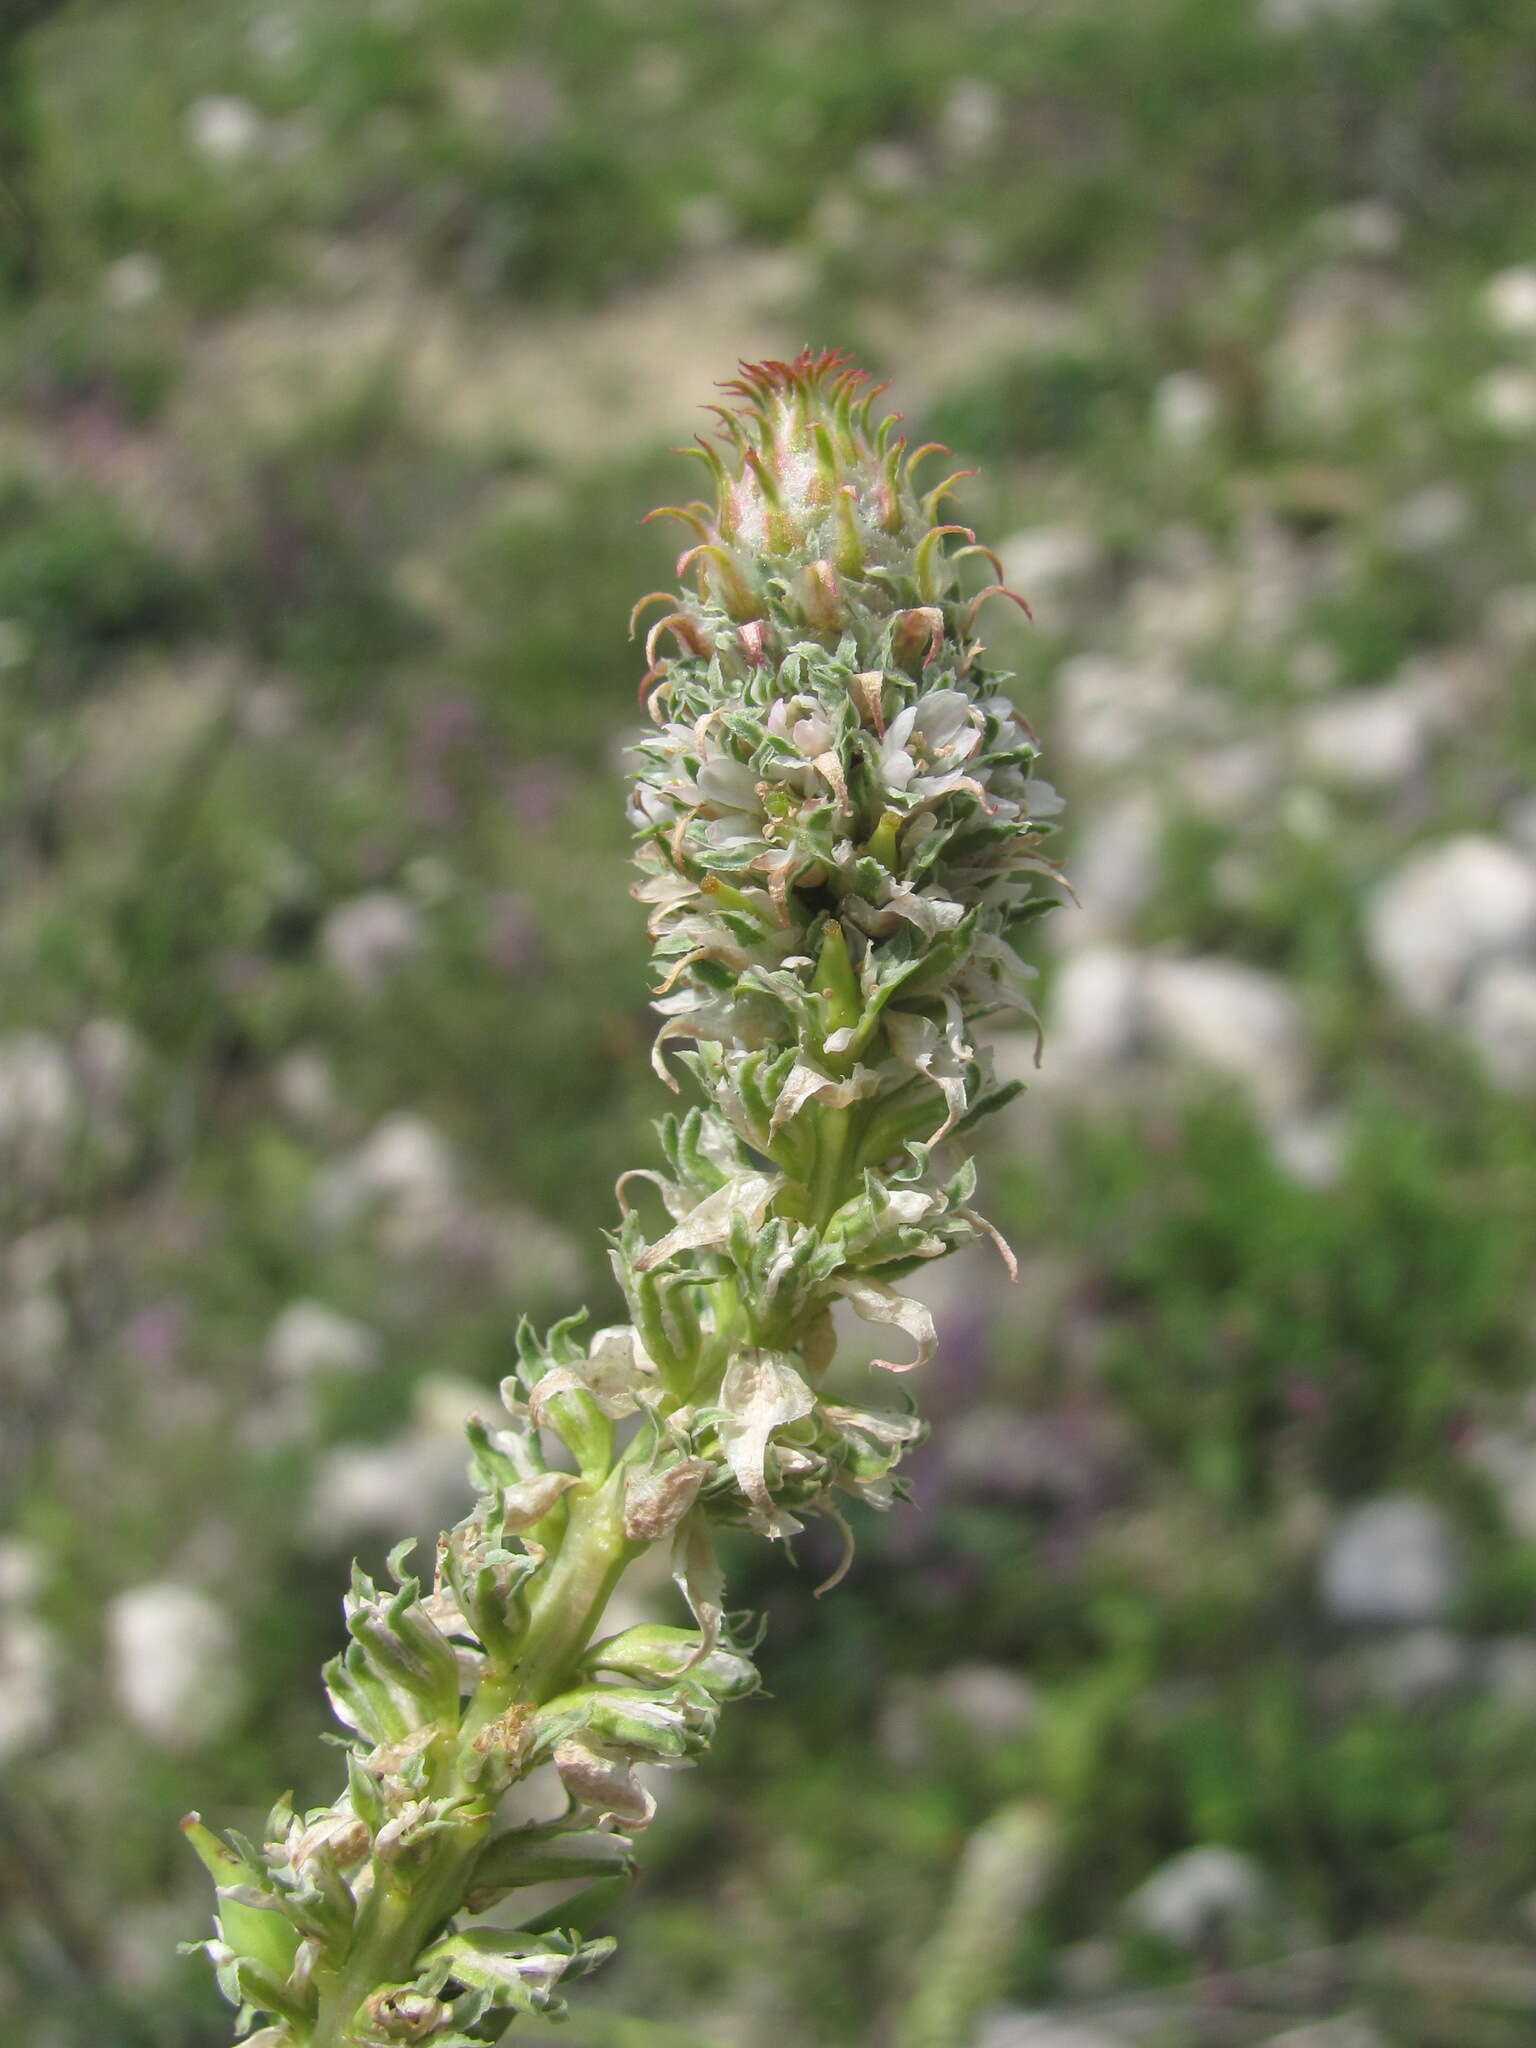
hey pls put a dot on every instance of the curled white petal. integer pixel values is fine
(878, 1303)
(709, 1222)
(761, 1392)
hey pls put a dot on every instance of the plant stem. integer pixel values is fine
(399, 1918)
(572, 1596)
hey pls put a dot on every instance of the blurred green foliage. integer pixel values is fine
(303, 608)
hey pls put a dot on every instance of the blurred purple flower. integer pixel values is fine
(537, 792)
(154, 1335)
(512, 932)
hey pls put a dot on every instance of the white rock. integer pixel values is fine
(1109, 712)
(1113, 867)
(365, 940)
(134, 280)
(22, 1571)
(1366, 227)
(443, 1404)
(705, 221)
(1520, 823)
(1000, 1451)
(1044, 561)
(174, 1667)
(1203, 1891)
(15, 644)
(39, 1258)
(406, 1159)
(223, 130)
(404, 1168)
(530, 1255)
(1312, 1147)
(1509, 1671)
(889, 166)
(1501, 1023)
(1512, 620)
(109, 1055)
(971, 118)
(361, 1490)
(1174, 612)
(27, 1663)
(1429, 519)
(1185, 410)
(34, 1334)
(1308, 813)
(364, 1490)
(1507, 1460)
(1391, 1560)
(1235, 1020)
(1225, 783)
(38, 1097)
(1450, 907)
(1506, 401)
(309, 1340)
(1314, 365)
(993, 1703)
(1314, 667)
(142, 1941)
(1288, 16)
(1097, 1009)
(1372, 739)
(1509, 300)
(1008, 2029)
(305, 1087)
(1419, 1665)
(1346, 2032)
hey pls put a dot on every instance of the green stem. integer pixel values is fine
(400, 1916)
(393, 1928)
(576, 1588)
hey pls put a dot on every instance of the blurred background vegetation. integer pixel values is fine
(341, 346)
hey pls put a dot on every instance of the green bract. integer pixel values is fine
(839, 835)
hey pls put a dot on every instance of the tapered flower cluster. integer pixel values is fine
(840, 842)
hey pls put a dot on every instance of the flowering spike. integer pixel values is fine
(835, 815)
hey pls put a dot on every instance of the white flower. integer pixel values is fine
(729, 788)
(926, 747)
